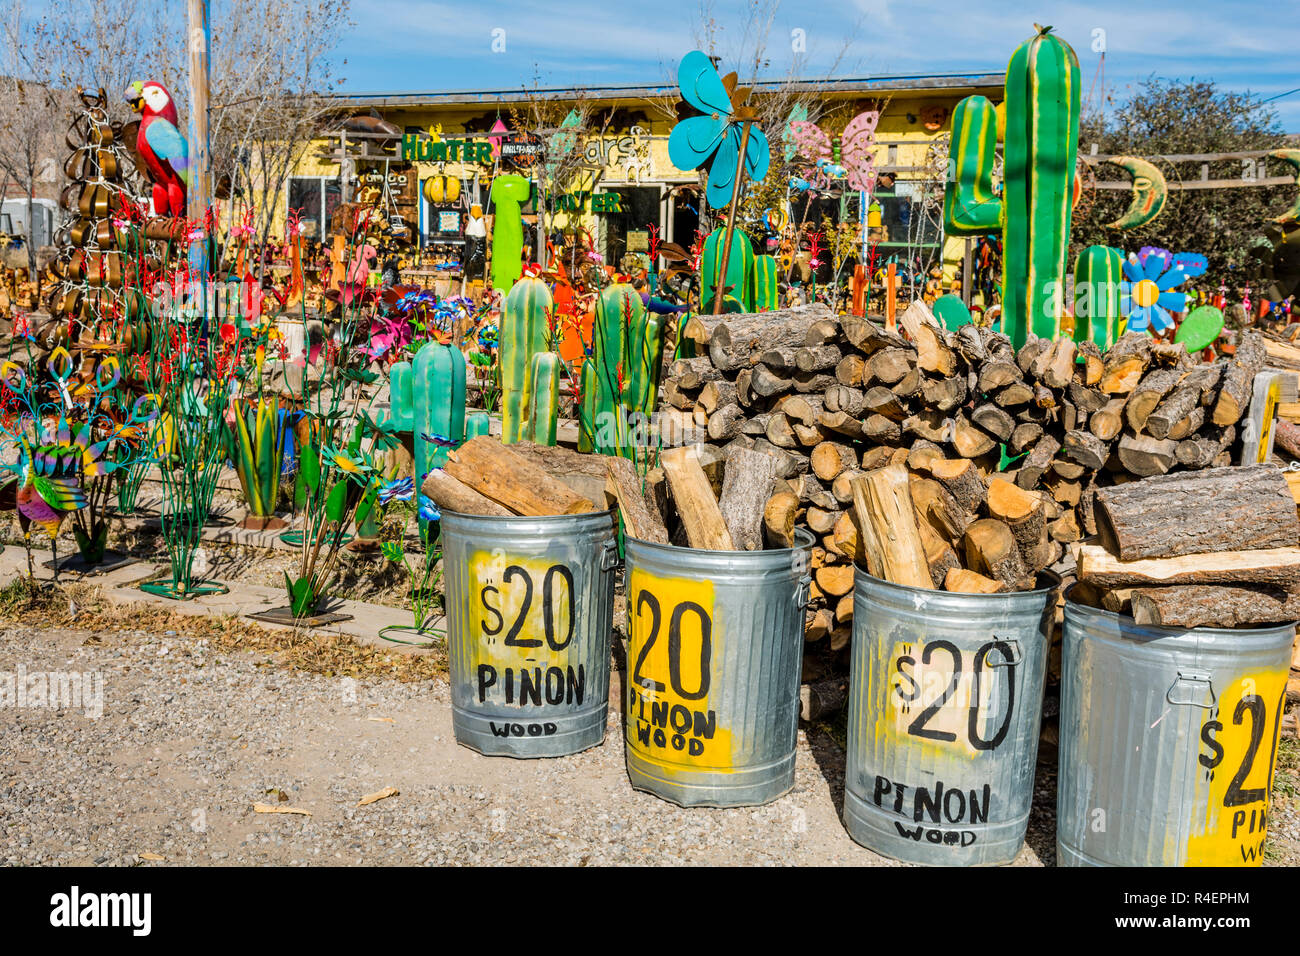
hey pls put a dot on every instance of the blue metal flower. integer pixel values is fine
(428, 510)
(1146, 295)
(399, 489)
(715, 134)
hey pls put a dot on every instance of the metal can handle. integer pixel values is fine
(1017, 654)
(803, 592)
(1199, 681)
(609, 556)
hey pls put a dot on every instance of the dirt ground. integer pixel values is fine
(205, 718)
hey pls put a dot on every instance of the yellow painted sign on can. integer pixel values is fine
(522, 615)
(960, 699)
(673, 652)
(1238, 753)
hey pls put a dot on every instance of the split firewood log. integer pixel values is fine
(1222, 509)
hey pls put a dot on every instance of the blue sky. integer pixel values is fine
(405, 45)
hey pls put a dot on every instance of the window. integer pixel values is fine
(315, 198)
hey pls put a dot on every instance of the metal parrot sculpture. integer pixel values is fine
(1032, 211)
(161, 145)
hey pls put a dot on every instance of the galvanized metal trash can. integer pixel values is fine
(714, 653)
(1168, 742)
(945, 701)
(529, 605)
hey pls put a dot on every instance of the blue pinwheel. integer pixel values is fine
(717, 132)
(1146, 294)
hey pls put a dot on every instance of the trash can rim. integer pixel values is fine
(1053, 579)
(804, 539)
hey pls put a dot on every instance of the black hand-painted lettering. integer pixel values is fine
(1235, 795)
(675, 650)
(495, 628)
(973, 721)
(512, 637)
(548, 610)
(917, 727)
(644, 598)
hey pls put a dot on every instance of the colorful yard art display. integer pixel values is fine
(1034, 209)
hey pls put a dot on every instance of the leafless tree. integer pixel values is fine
(29, 96)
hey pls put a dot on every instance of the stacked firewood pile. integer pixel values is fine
(1002, 453)
(1215, 548)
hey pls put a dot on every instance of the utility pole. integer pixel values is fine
(199, 194)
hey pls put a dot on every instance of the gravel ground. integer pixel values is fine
(191, 736)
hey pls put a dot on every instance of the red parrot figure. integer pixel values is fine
(165, 152)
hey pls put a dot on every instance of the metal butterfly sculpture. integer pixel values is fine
(716, 130)
(856, 162)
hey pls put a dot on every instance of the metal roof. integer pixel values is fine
(862, 85)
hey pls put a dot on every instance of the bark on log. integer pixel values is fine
(778, 519)
(1022, 511)
(450, 494)
(696, 506)
(1192, 391)
(1239, 379)
(1145, 456)
(817, 358)
(944, 394)
(640, 519)
(961, 478)
(1200, 451)
(736, 340)
(1142, 401)
(745, 490)
(822, 699)
(991, 550)
(491, 469)
(841, 398)
(869, 338)
(1222, 509)
(1036, 462)
(1210, 605)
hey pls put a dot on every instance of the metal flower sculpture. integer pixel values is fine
(723, 130)
(723, 135)
(1147, 297)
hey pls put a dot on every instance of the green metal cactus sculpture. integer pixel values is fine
(765, 297)
(438, 417)
(622, 375)
(477, 423)
(1098, 271)
(544, 402)
(588, 395)
(1033, 211)
(739, 272)
(524, 332)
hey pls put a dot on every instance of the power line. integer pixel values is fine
(1280, 95)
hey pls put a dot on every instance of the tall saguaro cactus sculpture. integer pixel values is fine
(523, 334)
(1098, 271)
(738, 277)
(544, 399)
(622, 375)
(1033, 212)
